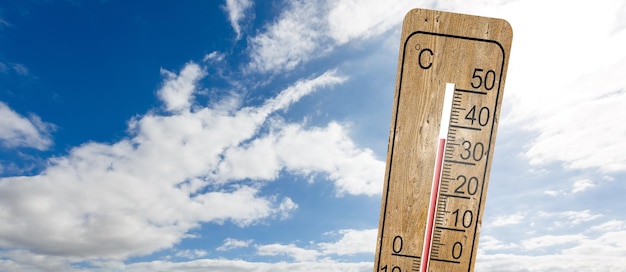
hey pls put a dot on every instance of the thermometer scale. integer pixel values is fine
(449, 88)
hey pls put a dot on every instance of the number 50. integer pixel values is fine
(486, 79)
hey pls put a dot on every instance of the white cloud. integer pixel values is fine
(23, 260)
(505, 220)
(145, 192)
(361, 19)
(351, 242)
(236, 10)
(580, 253)
(214, 56)
(608, 244)
(490, 243)
(582, 185)
(245, 266)
(306, 30)
(554, 193)
(611, 225)
(286, 208)
(572, 217)
(550, 240)
(297, 253)
(177, 91)
(303, 259)
(293, 39)
(230, 243)
(568, 90)
(327, 150)
(191, 254)
(19, 131)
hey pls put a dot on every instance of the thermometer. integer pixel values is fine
(449, 88)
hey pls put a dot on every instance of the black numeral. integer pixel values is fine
(481, 116)
(469, 186)
(488, 80)
(457, 250)
(475, 153)
(466, 219)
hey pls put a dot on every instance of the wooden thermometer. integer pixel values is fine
(449, 88)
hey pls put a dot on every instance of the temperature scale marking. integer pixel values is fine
(449, 86)
(436, 185)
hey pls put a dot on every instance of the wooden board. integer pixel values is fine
(439, 48)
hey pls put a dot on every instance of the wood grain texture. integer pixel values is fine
(438, 48)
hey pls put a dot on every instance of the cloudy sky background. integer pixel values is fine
(252, 136)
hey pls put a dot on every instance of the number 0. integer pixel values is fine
(396, 247)
(457, 250)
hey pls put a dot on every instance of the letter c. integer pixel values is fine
(429, 61)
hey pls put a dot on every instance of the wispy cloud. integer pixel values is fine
(295, 37)
(583, 185)
(550, 240)
(490, 243)
(20, 69)
(505, 220)
(230, 243)
(298, 254)
(191, 254)
(306, 30)
(571, 217)
(19, 131)
(360, 19)
(236, 10)
(4, 23)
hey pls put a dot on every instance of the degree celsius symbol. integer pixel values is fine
(449, 88)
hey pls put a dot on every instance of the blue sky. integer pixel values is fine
(252, 136)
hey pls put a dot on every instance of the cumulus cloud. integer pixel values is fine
(145, 192)
(19, 131)
(327, 150)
